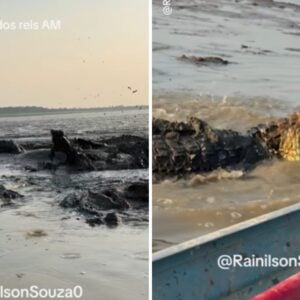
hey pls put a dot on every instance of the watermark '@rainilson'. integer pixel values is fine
(167, 7)
(227, 262)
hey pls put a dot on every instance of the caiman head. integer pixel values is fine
(289, 147)
(281, 138)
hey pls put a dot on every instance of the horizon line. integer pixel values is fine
(61, 107)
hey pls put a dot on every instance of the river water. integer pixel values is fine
(261, 41)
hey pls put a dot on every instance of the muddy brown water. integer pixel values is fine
(261, 83)
(204, 203)
(182, 210)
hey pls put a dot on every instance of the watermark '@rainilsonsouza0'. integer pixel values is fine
(35, 292)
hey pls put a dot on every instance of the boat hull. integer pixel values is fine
(190, 270)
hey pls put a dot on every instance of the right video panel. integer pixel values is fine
(226, 147)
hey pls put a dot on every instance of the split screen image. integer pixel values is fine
(149, 150)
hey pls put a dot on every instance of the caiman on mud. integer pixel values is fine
(181, 148)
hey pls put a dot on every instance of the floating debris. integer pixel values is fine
(209, 225)
(236, 215)
(201, 60)
(36, 233)
(71, 256)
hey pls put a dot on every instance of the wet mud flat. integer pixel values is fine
(64, 225)
(231, 64)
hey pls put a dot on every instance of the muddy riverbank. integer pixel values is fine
(56, 234)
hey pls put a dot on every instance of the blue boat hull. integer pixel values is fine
(190, 270)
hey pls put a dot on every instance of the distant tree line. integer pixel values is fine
(17, 110)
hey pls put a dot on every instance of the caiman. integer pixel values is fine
(181, 148)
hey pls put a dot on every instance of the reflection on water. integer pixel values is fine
(91, 123)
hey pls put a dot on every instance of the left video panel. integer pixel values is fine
(74, 149)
